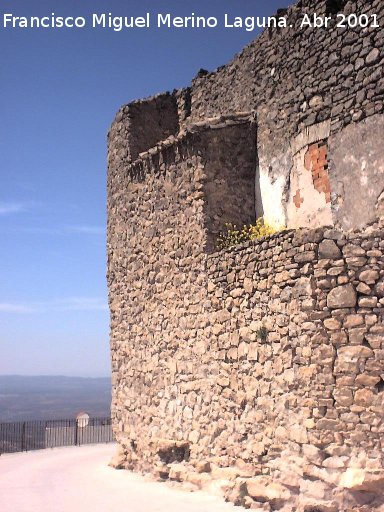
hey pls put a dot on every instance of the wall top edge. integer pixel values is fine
(300, 237)
(214, 123)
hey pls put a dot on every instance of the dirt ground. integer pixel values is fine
(78, 479)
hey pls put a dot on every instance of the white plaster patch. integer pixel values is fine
(355, 161)
(272, 198)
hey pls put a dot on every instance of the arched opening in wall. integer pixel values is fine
(335, 6)
(309, 199)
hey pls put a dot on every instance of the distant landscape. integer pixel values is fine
(53, 397)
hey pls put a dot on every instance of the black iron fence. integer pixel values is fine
(36, 435)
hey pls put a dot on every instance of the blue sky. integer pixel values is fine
(60, 90)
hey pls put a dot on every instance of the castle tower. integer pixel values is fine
(261, 364)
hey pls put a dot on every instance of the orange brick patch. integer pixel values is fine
(316, 161)
(297, 199)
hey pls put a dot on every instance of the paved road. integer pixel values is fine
(77, 479)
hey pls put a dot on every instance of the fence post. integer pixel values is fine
(76, 433)
(23, 437)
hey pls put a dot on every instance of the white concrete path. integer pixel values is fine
(78, 479)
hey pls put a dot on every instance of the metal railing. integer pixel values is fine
(36, 435)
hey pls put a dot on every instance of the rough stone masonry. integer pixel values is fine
(256, 370)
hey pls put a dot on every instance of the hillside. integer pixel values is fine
(52, 397)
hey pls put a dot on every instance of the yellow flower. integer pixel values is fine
(233, 236)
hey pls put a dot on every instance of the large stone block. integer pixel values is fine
(262, 488)
(342, 297)
(329, 250)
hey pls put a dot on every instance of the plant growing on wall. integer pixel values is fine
(262, 334)
(233, 236)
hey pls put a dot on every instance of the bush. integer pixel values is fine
(262, 333)
(234, 236)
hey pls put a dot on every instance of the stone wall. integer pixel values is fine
(297, 82)
(302, 76)
(237, 365)
(300, 404)
(143, 123)
(159, 225)
(223, 163)
(258, 366)
(259, 369)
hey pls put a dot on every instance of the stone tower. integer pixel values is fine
(261, 365)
